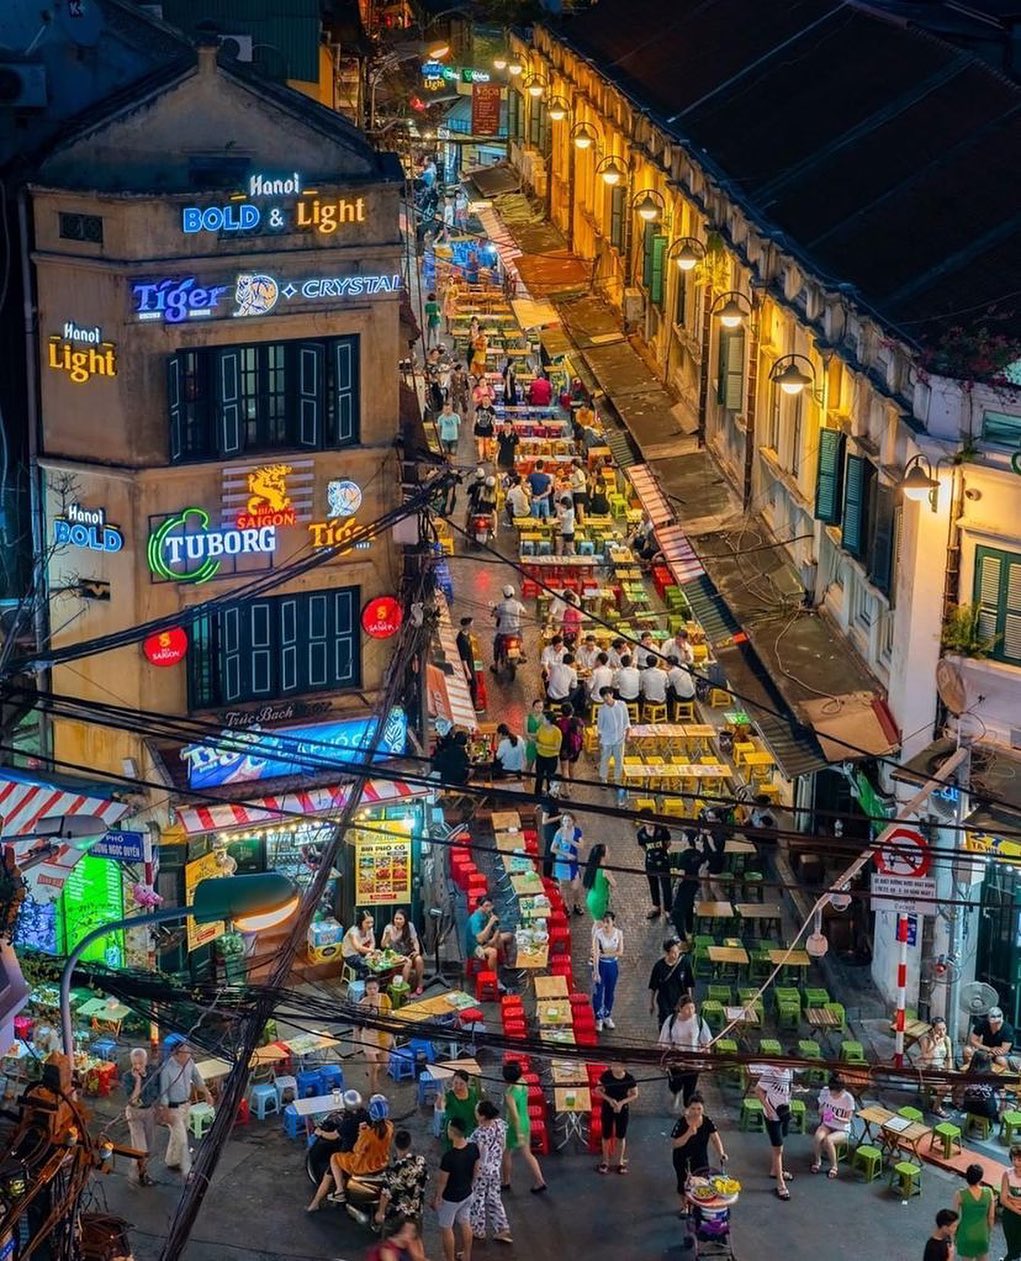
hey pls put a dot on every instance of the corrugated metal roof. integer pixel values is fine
(289, 29)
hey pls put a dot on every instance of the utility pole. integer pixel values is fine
(957, 911)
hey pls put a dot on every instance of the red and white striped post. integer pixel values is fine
(902, 990)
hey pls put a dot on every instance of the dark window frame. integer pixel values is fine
(75, 226)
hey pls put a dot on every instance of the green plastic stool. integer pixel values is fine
(720, 994)
(714, 1015)
(869, 1160)
(983, 1124)
(770, 1046)
(1009, 1122)
(399, 991)
(948, 1134)
(788, 1015)
(911, 1114)
(838, 1010)
(814, 997)
(852, 1053)
(733, 1073)
(797, 1125)
(753, 1116)
(908, 1177)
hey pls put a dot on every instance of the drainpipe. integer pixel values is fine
(753, 390)
(38, 586)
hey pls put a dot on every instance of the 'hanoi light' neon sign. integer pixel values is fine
(174, 300)
(184, 549)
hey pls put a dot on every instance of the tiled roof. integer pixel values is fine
(887, 158)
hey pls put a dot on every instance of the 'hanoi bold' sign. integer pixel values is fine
(87, 528)
(242, 756)
(174, 300)
(241, 213)
(185, 549)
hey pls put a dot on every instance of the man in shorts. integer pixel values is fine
(617, 1090)
(454, 1187)
(483, 938)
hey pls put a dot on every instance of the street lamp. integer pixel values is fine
(500, 61)
(687, 252)
(920, 481)
(535, 85)
(611, 171)
(791, 379)
(731, 308)
(651, 205)
(254, 903)
(557, 109)
(732, 314)
(584, 136)
(514, 67)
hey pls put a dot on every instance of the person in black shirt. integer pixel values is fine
(506, 443)
(454, 1188)
(691, 1137)
(939, 1245)
(450, 758)
(466, 651)
(991, 1035)
(671, 977)
(655, 841)
(687, 864)
(618, 1090)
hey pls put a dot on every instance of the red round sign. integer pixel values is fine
(166, 648)
(382, 617)
(904, 852)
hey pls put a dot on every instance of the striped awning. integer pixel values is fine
(262, 810)
(450, 698)
(25, 799)
(677, 550)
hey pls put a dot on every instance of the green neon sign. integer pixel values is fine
(195, 557)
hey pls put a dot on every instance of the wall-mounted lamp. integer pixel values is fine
(792, 379)
(557, 109)
(500, 61)
(611, 171)
(514, 67)
(687, 252)
(731, 308)
(649, 204)
(584, 136)
(535, 86)
(919, 482)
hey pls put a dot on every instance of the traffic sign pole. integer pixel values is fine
(902, 990)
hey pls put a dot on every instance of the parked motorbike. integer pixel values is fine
(510, 655)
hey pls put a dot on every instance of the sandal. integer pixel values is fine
(781, 1195)
(788, 1177)
(817, 1168)
(622, 1167)
(833, 1173)
(602, 1168)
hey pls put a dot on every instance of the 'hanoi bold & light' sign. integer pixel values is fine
(185, 549)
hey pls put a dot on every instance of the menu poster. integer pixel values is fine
(94, 895)
(486, 109)
(383, 865)
(205, 868)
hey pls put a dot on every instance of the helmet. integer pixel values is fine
(508, 591)
(379, 1108)
(480, 474)
(490, 482)
(352, 1099)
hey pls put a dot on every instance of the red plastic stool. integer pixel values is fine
(559, 939)
(517, 1031)
(529, 589)
(586, 1036)
(486, 987)
(540, 1139)
(578, 1000)
(516, 1057)
(243, 1114)
(511, 1002)
(471, 1016)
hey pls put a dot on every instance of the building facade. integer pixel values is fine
(770, 242)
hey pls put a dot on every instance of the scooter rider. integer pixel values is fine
(485, 501)
(476, 490)
(508, 614)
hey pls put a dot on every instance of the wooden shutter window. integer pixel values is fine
(227, 393)
(858, 476)
(346, 657)
(998, 596)
(830, 475)
(346, 390)
(681, 298)
(656, 285)
(310, 389)
(617, 194)
(881, 534)
(1010, 646)
(730, 378)
(175, 415)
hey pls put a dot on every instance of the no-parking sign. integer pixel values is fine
(901, 881)
(905, 853)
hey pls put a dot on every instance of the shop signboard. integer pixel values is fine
(247, 755)
(166, 647)
(382, 617)
(122, 847)
(87, 528)
(175, 299)
(485, 109)
(94, 895)
(275, 204)
(81, 353)
(383, 864)
(208, 867)
(183, 547)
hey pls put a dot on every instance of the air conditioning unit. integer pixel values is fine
(22, 85)
(237, 47)
(634, 306)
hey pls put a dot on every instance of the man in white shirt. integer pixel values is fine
(628, 680)
(587, 654)
(679, 649)
(613, 726)
(507, 615)
(519, 502)
(654, 684)
(680, 683)
(563, 679)
(552, 655)
(617, 651)
(602, 676)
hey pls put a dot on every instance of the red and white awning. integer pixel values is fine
(285, 808)
(451, 688)
(24, 800)
(674, 543)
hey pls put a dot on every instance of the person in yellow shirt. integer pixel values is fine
(548, 740)
(376, 1043)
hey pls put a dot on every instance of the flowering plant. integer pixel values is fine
(145, 896)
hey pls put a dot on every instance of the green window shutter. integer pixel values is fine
(656, 279)
(289, 649)
(998, 596)
(307, 408)
(227, 393)
(858, 477)
(617, 194)
(730, 377)
(175, 417)
(830, 475)
(648, 237)
(881, 536)
(203, 676)
(1009, 647)
(988, 572)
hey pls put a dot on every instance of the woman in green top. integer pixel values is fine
(1010, 1202)
(532, 724)
(519, 1128)
(460, 1101)
(598, 882)
(976, 1206)
(432, 321)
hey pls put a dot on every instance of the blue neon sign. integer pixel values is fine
(244, 756)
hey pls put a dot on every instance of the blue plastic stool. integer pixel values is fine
(355, 991)
(308, 1083)
(439, 1121)
(423, 1052)
(331, 1077)
(401, 1064)
(428, 1090)
(586, 547)
(294, 1126)
(104, 1049)
(264, 1099)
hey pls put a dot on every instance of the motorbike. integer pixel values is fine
(480, 528)
(510, 655)
(363, 1192)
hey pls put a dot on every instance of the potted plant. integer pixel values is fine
(963, 635)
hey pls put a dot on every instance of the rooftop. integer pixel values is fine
(887, 158)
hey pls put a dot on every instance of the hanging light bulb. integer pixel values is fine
(731, 315)
(687, 258)
(647, 208)
(500, 61)
(584, 137)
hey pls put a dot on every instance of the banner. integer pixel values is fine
(485, 109)
(208, 867)
(383, 865)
